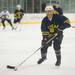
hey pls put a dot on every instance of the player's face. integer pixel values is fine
(18, 8)
(49, 13)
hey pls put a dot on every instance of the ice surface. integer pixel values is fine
(15, 46)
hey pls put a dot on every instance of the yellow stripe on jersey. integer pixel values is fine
(67, 21)
(45, 33)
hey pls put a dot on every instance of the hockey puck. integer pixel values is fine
(10, 67)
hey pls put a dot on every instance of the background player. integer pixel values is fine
(18, 15)
(58, 10)
(52, 24)
(5, 16)
(57, 7)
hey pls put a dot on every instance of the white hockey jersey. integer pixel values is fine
(5, 14)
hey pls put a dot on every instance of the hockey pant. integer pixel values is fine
(17, 20)
(56, 45)
(8, 20)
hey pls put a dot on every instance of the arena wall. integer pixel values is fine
(37, 18)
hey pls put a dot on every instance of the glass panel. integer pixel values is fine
(36, 6)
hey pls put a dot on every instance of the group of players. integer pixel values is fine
(53, 23)
(6, 16)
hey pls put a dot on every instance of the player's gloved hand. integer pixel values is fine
(45, 39)
(58, 30)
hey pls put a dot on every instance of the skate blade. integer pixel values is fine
(57, 67)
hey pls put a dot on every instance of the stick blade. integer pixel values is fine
(10, 67)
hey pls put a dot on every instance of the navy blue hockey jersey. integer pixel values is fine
(51, 26)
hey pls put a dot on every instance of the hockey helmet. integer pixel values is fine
(49, 8)
(18, 6)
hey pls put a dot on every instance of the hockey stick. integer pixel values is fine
(16, 67)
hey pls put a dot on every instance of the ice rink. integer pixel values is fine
(15, 46)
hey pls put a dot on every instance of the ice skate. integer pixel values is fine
(41, 60)
(58, 63)
(14, 28)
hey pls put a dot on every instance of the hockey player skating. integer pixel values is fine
(50, 25)
(5, 16)
(18, 14)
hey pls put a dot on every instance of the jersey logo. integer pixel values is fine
(52, 28)
(18, 14)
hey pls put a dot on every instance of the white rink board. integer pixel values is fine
(38, 17)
